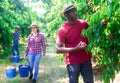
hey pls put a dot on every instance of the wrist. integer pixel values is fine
(26, 54)
(43, 54)
(77, 48)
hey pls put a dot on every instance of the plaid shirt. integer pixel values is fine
(36, 44)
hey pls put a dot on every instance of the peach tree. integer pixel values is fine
(104, 36)
(103, 17)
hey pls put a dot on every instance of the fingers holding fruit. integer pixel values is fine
(81, 45)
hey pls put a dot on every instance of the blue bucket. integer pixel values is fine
(23, 70)
(15, 58)
(10, 73)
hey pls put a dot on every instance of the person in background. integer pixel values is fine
(16, 35)
(36, 47)
(71, 42)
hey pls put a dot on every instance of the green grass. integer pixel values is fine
(52, 70)
(52, 67)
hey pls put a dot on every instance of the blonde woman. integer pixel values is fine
(36, 47)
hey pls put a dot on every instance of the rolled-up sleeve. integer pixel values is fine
(60, 36)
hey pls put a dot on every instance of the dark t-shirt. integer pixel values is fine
(70, 35)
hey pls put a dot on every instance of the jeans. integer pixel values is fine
(15, 47)
(85, 69)
(34, 60)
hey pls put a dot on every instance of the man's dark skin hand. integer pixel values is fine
(60, 49)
